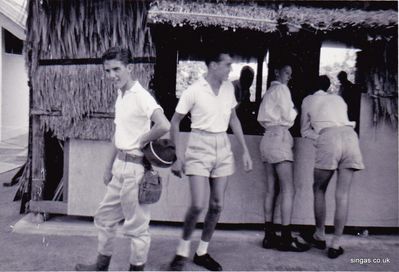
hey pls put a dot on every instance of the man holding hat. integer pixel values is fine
(208, 159)
(135, 109)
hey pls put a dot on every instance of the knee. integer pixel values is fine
(287, 191)
(270, 192)
(341, 197)
(215, 208)
(319, 188)
(195, 210)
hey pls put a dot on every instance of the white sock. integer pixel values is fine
(319, 235)
(202, 248)
(183, 249)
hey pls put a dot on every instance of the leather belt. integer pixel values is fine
(123, 156)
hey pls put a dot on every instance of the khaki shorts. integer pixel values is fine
(209, 155)
(338, 147)
(276, 145)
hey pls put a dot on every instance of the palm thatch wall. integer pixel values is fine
(64, 42)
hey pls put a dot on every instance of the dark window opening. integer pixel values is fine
(12, 45)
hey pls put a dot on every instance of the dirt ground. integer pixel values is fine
(237, 250)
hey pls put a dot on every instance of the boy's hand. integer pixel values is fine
(246, 158)
(177, 168)
(107, 176)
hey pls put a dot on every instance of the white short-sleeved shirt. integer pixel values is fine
(133, 114)
(277, 108)
(209, 112)
(323, 110)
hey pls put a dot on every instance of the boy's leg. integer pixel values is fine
(198, 189)
(106, 219)
(217, 189)
(321, 180)
(285, 177)
(137, 216)
(286, 181)
(269, 205)
(341, 204)
(216, 200)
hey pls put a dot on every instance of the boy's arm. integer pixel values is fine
(177, 167)
(306, 127)
(110, 161)
(161, 127)
(235, 126)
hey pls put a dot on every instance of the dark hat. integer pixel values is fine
(161, 153)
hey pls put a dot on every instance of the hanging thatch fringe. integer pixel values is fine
(208, 14)
(264, 17)
(82, 29)
(335, 19)
(86, 128)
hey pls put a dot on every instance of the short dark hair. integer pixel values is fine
(247, 75)
(342, 75)
(323, 82)
(281, 64)
(117, 53)
(213, 54)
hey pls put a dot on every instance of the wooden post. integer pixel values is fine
(38, 169)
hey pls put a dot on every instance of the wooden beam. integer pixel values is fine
(48, 206)
(38, 168)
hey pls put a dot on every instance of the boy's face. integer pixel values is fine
(222, 68)
(118, 73)
(284, 74)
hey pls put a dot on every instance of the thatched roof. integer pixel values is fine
(64, 41)
(265, 17)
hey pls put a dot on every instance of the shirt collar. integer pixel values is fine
(275, 82)
(205, 83)
(320, 92)
(132, 89)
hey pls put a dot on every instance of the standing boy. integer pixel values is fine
(135, 109)
(208, 159)
(325, 120)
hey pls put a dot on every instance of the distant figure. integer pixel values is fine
(351, 95)
(242, 85)
(324, 120)
(241, 90)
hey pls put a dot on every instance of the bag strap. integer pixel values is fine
(147, 165)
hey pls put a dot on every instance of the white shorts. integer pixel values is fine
(276, 145)
(338, 147)
(209, 154)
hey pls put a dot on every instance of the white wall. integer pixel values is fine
(1, 77)
(15, 97)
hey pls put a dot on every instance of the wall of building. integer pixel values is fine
(15, 97)
(14, 91)
(373, 200)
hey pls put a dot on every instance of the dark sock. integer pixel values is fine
(286, 232)
(269, 229)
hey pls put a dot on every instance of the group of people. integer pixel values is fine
(208, 160)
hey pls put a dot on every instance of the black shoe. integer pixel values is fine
(320, 244)
(177, 263)
(270, 242)
(333, 253)
(136, 267)
(292, 245)
(208, 262)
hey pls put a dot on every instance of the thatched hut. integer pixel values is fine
(71, 108)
